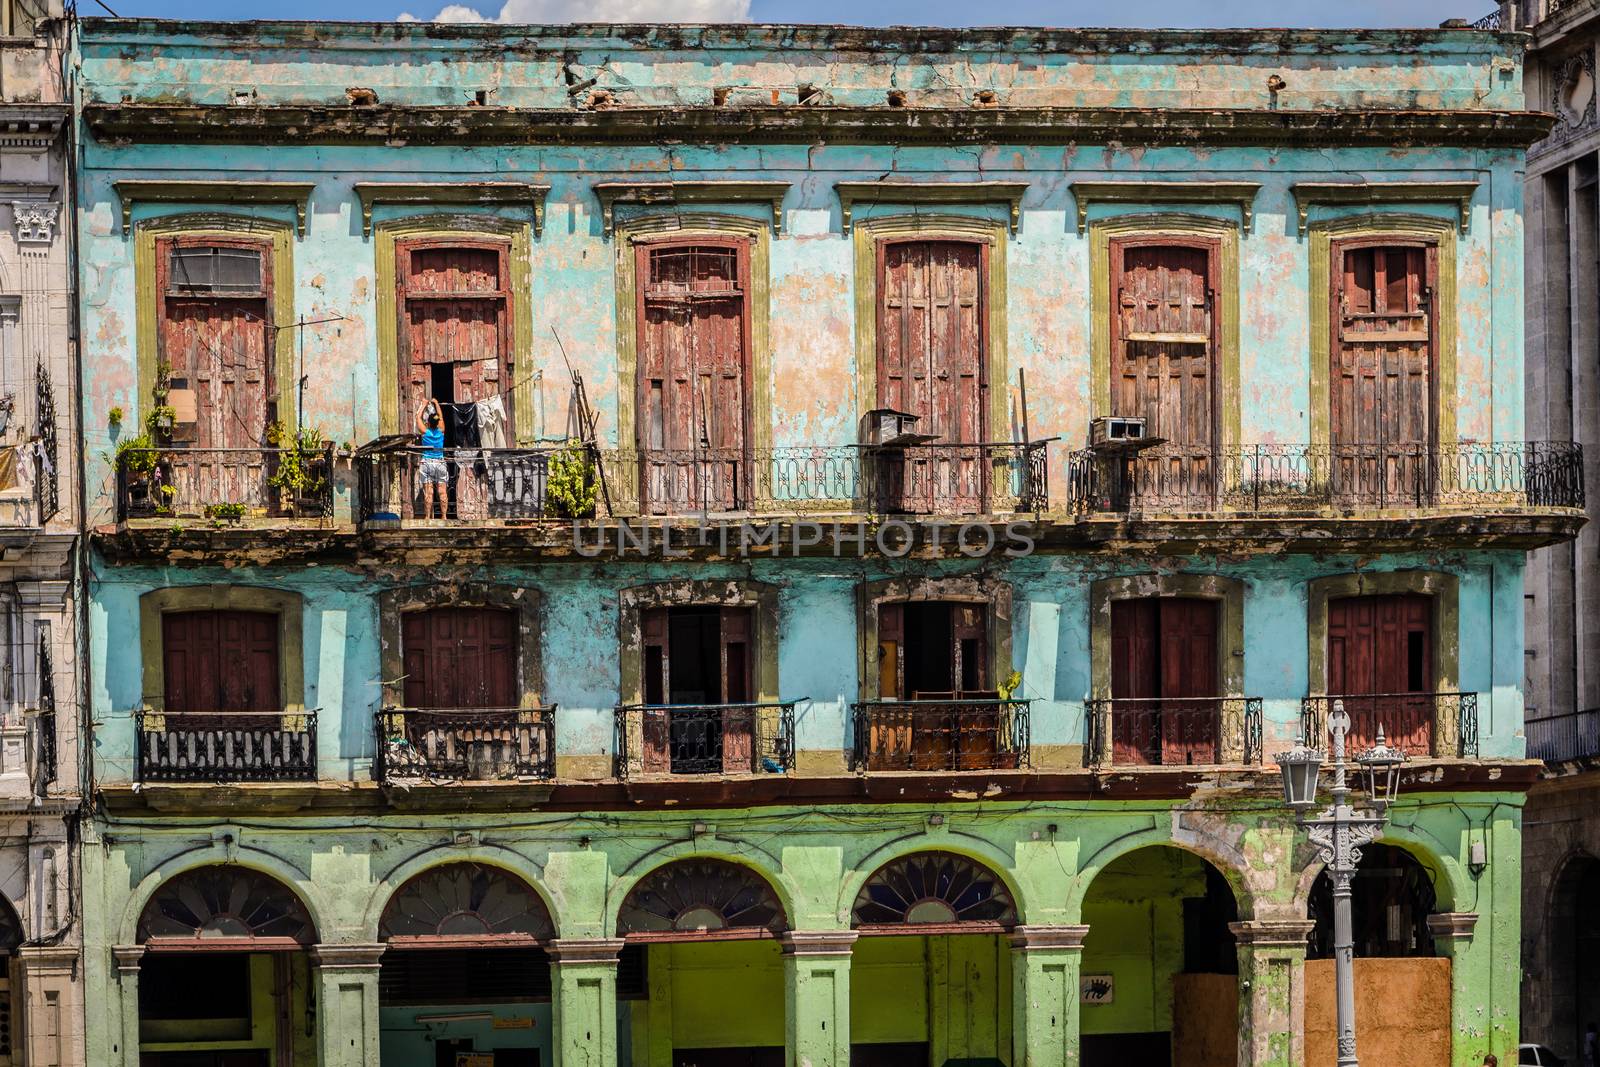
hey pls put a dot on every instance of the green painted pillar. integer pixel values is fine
(1272, 975)
(816, 983)
(1452, 938)
(584, 977)
(346, 980)
(1045, 963)
(126, 1039)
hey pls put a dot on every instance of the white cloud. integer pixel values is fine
(553, 11)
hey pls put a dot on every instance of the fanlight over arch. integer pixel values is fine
(225, 907)
(701, 898)
(929, 891)
(464, 903)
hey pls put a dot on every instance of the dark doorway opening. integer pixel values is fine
(1391, 898)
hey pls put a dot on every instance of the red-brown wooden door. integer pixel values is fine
(1380, 660)
(1164, 681)
(220, 661)
(693, 383)
(699, 731)
(1382, 389)
(216, 335)
(932, 321)
(460, 658)
(1164, 340)
(455, 313)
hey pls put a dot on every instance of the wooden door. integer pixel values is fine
(932, 321)
(1164, 681)
(655, 723)
(220, 661)
(1380, 661)
(976, 726)
(693, 382)
(889, 729)
(1164, 340)
(739, 753)
(1382, 378)
(455, 313)
(460, 658)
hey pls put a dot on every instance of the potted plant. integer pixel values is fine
(571, 487)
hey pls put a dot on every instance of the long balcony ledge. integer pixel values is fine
(465, 744)
(225, 486)
(1328, 480)
(519, 486)
(704, 739)
(1574, 735)
(1173, 732)
(963, 733)
(226, 746)
(1439, 725)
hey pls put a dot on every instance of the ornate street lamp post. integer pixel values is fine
(1339, 832)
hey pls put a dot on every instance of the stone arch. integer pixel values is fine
(973, 848)
(310, 896)
(1570, 977)
(1430, 853)
(487, 902)
(293, 925)
(756, 917)
(12, 931)
(1226, 858)
(1428, 896)
(513, 863)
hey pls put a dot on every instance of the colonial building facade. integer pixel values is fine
(41, 1009)
(882, 520)
(1561, 983)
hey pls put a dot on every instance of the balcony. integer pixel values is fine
(1174, 731)
(960, 734)
(466, 744)
(226, 746)
(1557, 738)
(704, 739)
(226, 486)
(1422, 725)
(528, 484)
(1313, 480)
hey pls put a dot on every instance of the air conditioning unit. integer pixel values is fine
(1115, 430)
(888, 427)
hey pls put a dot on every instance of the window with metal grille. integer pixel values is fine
(694, 270)
(633, 973)
(221, 269)
(464, 976)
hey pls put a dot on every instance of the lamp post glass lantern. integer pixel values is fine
(1339, 831)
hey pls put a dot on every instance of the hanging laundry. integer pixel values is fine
(8, 467)
(462, 425)
(493, 430)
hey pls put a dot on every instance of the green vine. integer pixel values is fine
(299, 452)
(221, 513)
(571, 487)
(137, 455)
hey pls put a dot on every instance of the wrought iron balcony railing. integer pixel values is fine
(661, 739)
(226, 746)
(466, 744)
(1574, 735)
(962, 734)
(1418, 724)
(1173, 731)
(224, 485)
(1309, 479)
(513, 485)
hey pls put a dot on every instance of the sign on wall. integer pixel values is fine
(1097, 989)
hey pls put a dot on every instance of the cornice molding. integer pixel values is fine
(920, 193)
(1132, 127)
(1452, 925)
(813, 943)
(1242, 194)
(1270, 933)
(611, 194)
(585, 950)
(140, 190)
(1048, 938)
(1343, 193)
(432, 194)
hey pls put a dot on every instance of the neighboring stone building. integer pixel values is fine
(41, 1009)
(1561, 849)
(375, 785)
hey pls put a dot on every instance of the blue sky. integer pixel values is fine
(867, 12)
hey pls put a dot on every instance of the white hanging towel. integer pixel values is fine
(492, 429)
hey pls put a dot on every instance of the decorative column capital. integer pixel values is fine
(812, 943)
(585, 949)
(1043, 938)
(35, 221)
(127, 958)
(351, 957)
(51, 957)
(1273, 933)
(1452, 925)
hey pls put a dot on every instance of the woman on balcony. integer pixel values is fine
(433, 474)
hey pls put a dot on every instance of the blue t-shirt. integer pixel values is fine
(433, 444)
